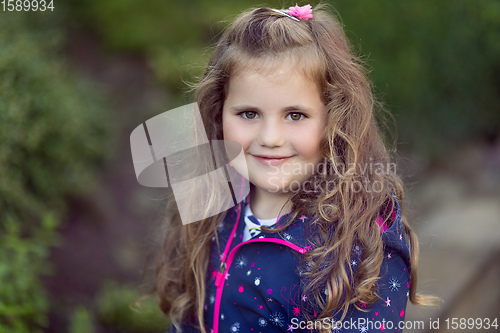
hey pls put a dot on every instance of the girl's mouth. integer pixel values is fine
(272, 160)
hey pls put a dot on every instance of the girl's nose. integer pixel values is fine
(271, 134)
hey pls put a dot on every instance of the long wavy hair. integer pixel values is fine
(343, 212)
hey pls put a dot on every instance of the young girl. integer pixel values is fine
(321, 242)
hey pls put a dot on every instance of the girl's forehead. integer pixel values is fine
(278, 66)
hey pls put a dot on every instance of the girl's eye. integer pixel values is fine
(249, 114)
(296, 116)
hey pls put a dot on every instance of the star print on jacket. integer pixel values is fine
(260, 289)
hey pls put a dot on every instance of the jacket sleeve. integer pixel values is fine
(384, 316)
(387, 314)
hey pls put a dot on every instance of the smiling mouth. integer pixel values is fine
(272, 160)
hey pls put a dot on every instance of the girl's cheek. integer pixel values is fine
(235, 132)
(227, 129)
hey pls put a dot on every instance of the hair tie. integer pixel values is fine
(297, 12)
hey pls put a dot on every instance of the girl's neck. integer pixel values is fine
(267, 205)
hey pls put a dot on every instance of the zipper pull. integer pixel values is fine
(220, 274)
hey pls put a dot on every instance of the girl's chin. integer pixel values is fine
(277, 186)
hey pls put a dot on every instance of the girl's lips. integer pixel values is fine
(272, 160)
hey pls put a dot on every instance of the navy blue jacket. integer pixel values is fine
(255, 286)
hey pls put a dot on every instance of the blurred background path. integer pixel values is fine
(459, 234)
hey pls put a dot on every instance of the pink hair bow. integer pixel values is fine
(304, 12)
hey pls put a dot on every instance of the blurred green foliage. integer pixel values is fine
(23, 303)
(53, 136)
(117, 307)
(174, 35)
(436, 65)
(81, 322)
(53, 128)
(434, 62)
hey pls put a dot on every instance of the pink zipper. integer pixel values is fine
(221, 276)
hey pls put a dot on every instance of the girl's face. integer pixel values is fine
(278, 117)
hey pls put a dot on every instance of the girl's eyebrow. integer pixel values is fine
(241, 108)
(298, 107)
